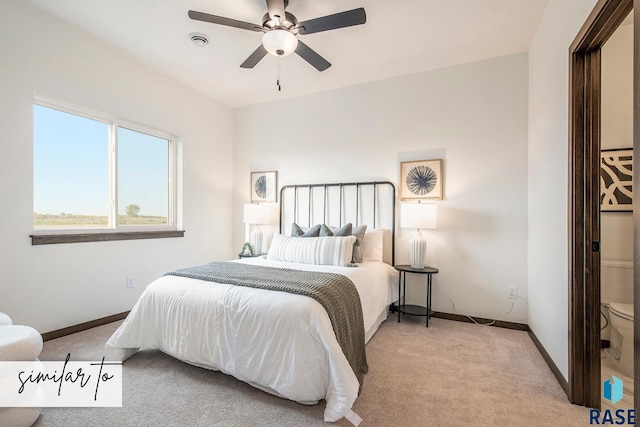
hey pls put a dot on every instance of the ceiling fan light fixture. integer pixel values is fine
(279, 42)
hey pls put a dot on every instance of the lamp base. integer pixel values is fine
(418, 251)
(256, 241)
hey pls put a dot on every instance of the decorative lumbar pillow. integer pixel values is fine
(347, 230)
(373, 245)
(297, 231)
(327, 250)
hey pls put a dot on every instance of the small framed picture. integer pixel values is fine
(421, 180)
(264, 187)
(616, 179)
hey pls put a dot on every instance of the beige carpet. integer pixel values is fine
(451, 374)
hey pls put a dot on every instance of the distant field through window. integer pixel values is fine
(143, 168)
(92, 173)
(70, 170)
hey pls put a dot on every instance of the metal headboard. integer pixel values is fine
(371, 203)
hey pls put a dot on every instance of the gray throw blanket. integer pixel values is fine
(335, 292)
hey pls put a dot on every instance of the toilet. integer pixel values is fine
(621, 350)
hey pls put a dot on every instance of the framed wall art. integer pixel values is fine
(616, 179)
(264, 187)
(421, 180)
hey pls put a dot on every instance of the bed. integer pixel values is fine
(280, 342)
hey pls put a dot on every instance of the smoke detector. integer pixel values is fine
(199, 39)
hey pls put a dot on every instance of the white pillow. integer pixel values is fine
(312, 250)
(373, 245)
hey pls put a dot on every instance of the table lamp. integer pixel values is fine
(419, 216)
(256, 214)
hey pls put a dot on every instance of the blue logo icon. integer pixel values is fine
(612, 389)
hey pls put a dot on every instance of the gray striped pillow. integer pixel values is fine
(312, 250)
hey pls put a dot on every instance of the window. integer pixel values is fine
(95, 174)
(143, 170)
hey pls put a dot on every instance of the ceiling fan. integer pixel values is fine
(281, 30)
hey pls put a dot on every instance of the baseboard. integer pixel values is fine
(497, 323)
(83, 326)
(556, 372)
(449, 316)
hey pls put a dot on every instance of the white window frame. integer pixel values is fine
(114, 123)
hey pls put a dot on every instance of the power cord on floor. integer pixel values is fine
(453, 303)
(606, 321)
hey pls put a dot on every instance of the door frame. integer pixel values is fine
(584, 198)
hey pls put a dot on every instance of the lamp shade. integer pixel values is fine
(279, 42)
(418, 215)
(260, 214)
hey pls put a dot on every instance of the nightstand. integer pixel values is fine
(414, 310)
(249, 256)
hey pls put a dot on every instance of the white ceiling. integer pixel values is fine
(400, 37)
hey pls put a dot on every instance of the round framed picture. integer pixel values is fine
(421, 180)
(264, 187)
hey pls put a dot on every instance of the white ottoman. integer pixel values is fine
(19, 343)
(18, 417)
(5, 320)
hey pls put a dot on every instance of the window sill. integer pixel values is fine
(52, 239)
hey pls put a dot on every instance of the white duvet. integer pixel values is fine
(279, 342)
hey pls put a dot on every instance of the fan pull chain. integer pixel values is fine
(278, 77)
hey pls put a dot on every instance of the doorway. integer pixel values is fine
(616, 213)
(584, 202)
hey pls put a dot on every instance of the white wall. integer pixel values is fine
(617, 132)
(54, 286)
(548, 174)
(474, 116)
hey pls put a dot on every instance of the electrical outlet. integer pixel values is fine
(512, 292)
(130, 283)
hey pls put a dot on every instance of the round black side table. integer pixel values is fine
(414, 310)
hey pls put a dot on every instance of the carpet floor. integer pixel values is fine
(451, 374)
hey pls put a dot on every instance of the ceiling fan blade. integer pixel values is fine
(205, 17)
(332, 22)
(312, 57)
(276, 9)
(254, 58)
